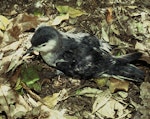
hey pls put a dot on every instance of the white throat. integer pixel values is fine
(50, 58)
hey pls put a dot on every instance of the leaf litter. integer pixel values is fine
(61, 98)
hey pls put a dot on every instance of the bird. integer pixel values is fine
(82, 55)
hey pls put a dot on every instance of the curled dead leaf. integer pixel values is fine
(115, 85)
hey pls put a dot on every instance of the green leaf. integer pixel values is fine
(18, 84)
(30, 76)
(73, 13)
(38, 13)
(36, 87)
(62, 9)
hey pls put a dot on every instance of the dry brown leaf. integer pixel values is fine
(145, 96)
(89, 92)
(39, 110)
(146, 57)
(16, 59)
(112, 109)
(115, 29)
(11, 55)
(53, 114)
(7, 97)
(123, 94)
(145, 47)
(25, 21)
(109, 16)
(1, 36)
(140, 46)
(145, 93)
(10, 62)
(12, 46)
(4, 63)
(115, 85)
(11, 103)
(107, 110)
(18, 25)
(101, 100)
(51, 101)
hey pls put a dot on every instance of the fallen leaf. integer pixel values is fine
(107, 110)
(18, 84)
(109, 16)
(18, 25)
(73, 13)
(12, 46)
(115, 85)
(4, 63)
(11, 103)
(145, 93)
(145, 96)
(105, 35)
(29, 75)
(1, 36)
(140, 46)
(53, 114)
(89, 92)
(123, 94)
(11, 55)
(112, 109)
(101, 100)
(3, 22)
(115, 29)
(16, 59)
(79, 2)
(145, 47)
(1, 55)
(60, 18)
(101, 81)
(62, 9)
(51, 101)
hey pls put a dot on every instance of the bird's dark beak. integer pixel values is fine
(29, 51)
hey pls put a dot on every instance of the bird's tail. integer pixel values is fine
(124, 70)
(129, 57)
(128, 72)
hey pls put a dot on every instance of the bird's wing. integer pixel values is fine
(97, 44)
(82, 60)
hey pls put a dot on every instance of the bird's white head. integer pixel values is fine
(46, 39)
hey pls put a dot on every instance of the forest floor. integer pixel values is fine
(30, 89)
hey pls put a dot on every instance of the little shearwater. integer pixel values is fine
(83, 56)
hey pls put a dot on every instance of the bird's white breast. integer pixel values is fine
(49, 58)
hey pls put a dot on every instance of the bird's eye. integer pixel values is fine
(43, 45)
